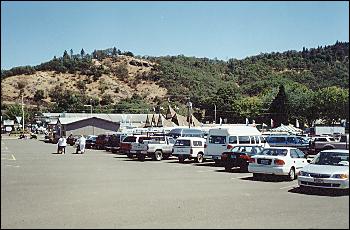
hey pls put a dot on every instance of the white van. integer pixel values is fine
(221, 139)
(189, 148)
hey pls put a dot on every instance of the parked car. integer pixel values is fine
(101, 141)
(239, 156)
(285, 161)
(329, 169)
(189, 148)
(90, 141)
(113, 143)
(323, 143)
(125, 145)
(156, 147)
(289, 141)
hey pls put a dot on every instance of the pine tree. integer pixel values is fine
(82, 53)
(279, 108)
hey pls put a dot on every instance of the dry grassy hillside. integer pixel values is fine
(116, 86)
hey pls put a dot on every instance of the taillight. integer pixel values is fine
(205, 145)
(251, 160)
(244, 157)
(279, 162)
(229, 146)
(191, 151)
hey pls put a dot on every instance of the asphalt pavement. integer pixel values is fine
(98, 189)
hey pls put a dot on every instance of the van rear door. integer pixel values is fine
(216, 146)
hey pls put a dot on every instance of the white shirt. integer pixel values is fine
(62, 141)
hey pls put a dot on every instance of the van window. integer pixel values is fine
(253, 140)
(183, 143)
(197, 143)
(244, 139)
(232, 140)
(277, 140)
(217, 139)
(291, 140)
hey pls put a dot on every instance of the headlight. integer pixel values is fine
(341, 176)
(302, 173)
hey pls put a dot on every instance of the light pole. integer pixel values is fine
(189, 108)
(93, 128)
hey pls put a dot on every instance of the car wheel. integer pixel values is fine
(158, 155)
(256, 176)
(228, 168)
(129, 155)
(291, 174)
(181, 159)
(140, 157)
(200, 158)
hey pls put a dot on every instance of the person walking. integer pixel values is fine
(62, 143)
(81, 144)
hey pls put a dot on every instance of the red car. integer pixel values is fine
(239, 156)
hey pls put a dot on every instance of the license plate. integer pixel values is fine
(265, 162)
(317, 180)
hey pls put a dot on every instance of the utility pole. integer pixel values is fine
(189, 115)
(215, 113)
(22, 115)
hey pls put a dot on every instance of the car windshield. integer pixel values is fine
(331, 158)
(275, 152)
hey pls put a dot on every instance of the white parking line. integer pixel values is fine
(209, 170)
(13, 157)
(290, 186)
(16, 166)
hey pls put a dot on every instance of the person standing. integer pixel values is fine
(62, 143)
(81, 145)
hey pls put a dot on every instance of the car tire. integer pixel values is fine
(140, 157)
(181, 159)
(200, 158)
(158, 155)
(228, 168)
(291, 174)
(129, 155)
(256, 176)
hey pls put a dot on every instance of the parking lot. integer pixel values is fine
(98, 189)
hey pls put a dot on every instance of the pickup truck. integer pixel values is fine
(321, 143)
(158, 148)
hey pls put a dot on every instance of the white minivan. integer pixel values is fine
(189, 148)
(221, 139)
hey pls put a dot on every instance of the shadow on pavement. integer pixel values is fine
(320, 192)
(266, 178)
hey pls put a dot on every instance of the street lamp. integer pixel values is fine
(93, 128)
(189, 108)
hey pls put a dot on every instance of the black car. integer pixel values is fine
(239, 156)
(90, 142)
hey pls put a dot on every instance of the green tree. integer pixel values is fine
(39, 95)
(279, 108)
(82, 53)
(332, 103)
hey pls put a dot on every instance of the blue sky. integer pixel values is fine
(34, 32)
